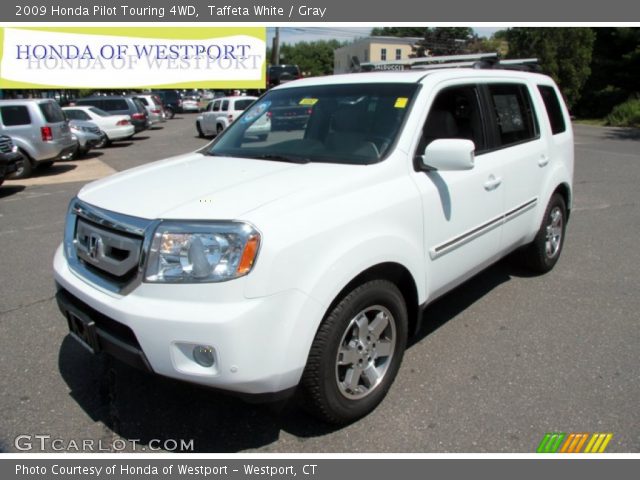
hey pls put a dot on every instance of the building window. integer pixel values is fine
(383, 54)
(366, 55)
(398, 54)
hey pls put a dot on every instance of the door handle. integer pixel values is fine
(492, 183)
(543, 160)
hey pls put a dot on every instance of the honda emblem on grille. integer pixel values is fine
(95, 245)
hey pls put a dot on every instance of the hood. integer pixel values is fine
(195, 186)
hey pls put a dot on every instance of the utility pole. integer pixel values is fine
(275, 50)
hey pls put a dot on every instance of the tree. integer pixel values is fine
(399, 32)
(313, 58)
(564, 54)
(615, 71)
(445, 41)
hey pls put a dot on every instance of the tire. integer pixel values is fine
(25, 167)
(340, 352)
(200, 132)
(543, 253)
(45, 165)
(170, 113)
(219, 129)
(104, 141)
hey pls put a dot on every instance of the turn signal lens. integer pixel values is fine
(249, 254)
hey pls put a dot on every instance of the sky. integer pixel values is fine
(293, 35)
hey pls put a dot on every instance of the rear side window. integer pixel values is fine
(514, 114)
(115, 104)
(15, 115)
(554, 111)
(242, 105)
(52, 112)
(77, 115)
(225, 105)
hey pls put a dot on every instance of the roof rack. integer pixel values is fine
(476, 60)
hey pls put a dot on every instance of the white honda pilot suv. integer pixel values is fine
(303, 261)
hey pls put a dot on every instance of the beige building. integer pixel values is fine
(372, 49)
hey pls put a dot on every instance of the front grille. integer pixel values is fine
(105, 247)
(6, 144)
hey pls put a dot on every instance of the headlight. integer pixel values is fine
(197, 252)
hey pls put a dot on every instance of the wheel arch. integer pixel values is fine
(397, 274)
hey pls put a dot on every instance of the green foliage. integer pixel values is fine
(313, 58)
(615, 71)
(626, 114)
(564, 54)
(445, 41)
(399, 32)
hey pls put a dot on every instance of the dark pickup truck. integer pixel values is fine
(9, 157)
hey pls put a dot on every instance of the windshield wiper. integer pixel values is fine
(281, 158)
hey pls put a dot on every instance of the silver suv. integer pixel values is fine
(39, 129)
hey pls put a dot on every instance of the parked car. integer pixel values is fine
(10, 157)
(87, 134)
(119, 105)
(40, 131)
(154, 108)
(114, 127)
(221, 112)
(305, 263)
(191, 104)
(171, 100)
(277, 74)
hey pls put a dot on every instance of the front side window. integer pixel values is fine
(513, 112)
(353, 124)
(216, 106)
(455, 113)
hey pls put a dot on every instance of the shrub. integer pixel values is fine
(626, 114)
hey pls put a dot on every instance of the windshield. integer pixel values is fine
(353, 123)
(99, 112)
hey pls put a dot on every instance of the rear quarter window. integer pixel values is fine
(52, 112)
(553, 108)
(15, 115)
(241, 105)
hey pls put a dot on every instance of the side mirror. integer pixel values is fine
(449, 154)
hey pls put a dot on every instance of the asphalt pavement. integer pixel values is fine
(499, 362)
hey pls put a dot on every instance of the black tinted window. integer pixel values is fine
(15, 115)
(455, 113)
(52, 112)
(225, 105)
(514, 113)
(114, 104)
(241, 105)
(554, 111)
(143, 100)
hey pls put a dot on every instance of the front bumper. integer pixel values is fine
(256, 348)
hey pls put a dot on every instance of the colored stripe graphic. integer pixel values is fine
(573, 442)
(551, 442)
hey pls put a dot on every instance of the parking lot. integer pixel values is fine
(499, 362)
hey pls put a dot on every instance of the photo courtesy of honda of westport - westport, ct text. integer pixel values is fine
(270, 239)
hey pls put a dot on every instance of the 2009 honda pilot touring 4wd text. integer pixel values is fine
(303, 260)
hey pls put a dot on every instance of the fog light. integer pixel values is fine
(203, 355)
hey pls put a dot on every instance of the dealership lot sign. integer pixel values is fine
(133, 57)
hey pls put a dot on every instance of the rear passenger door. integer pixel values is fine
(518, 146)
(209, 117)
